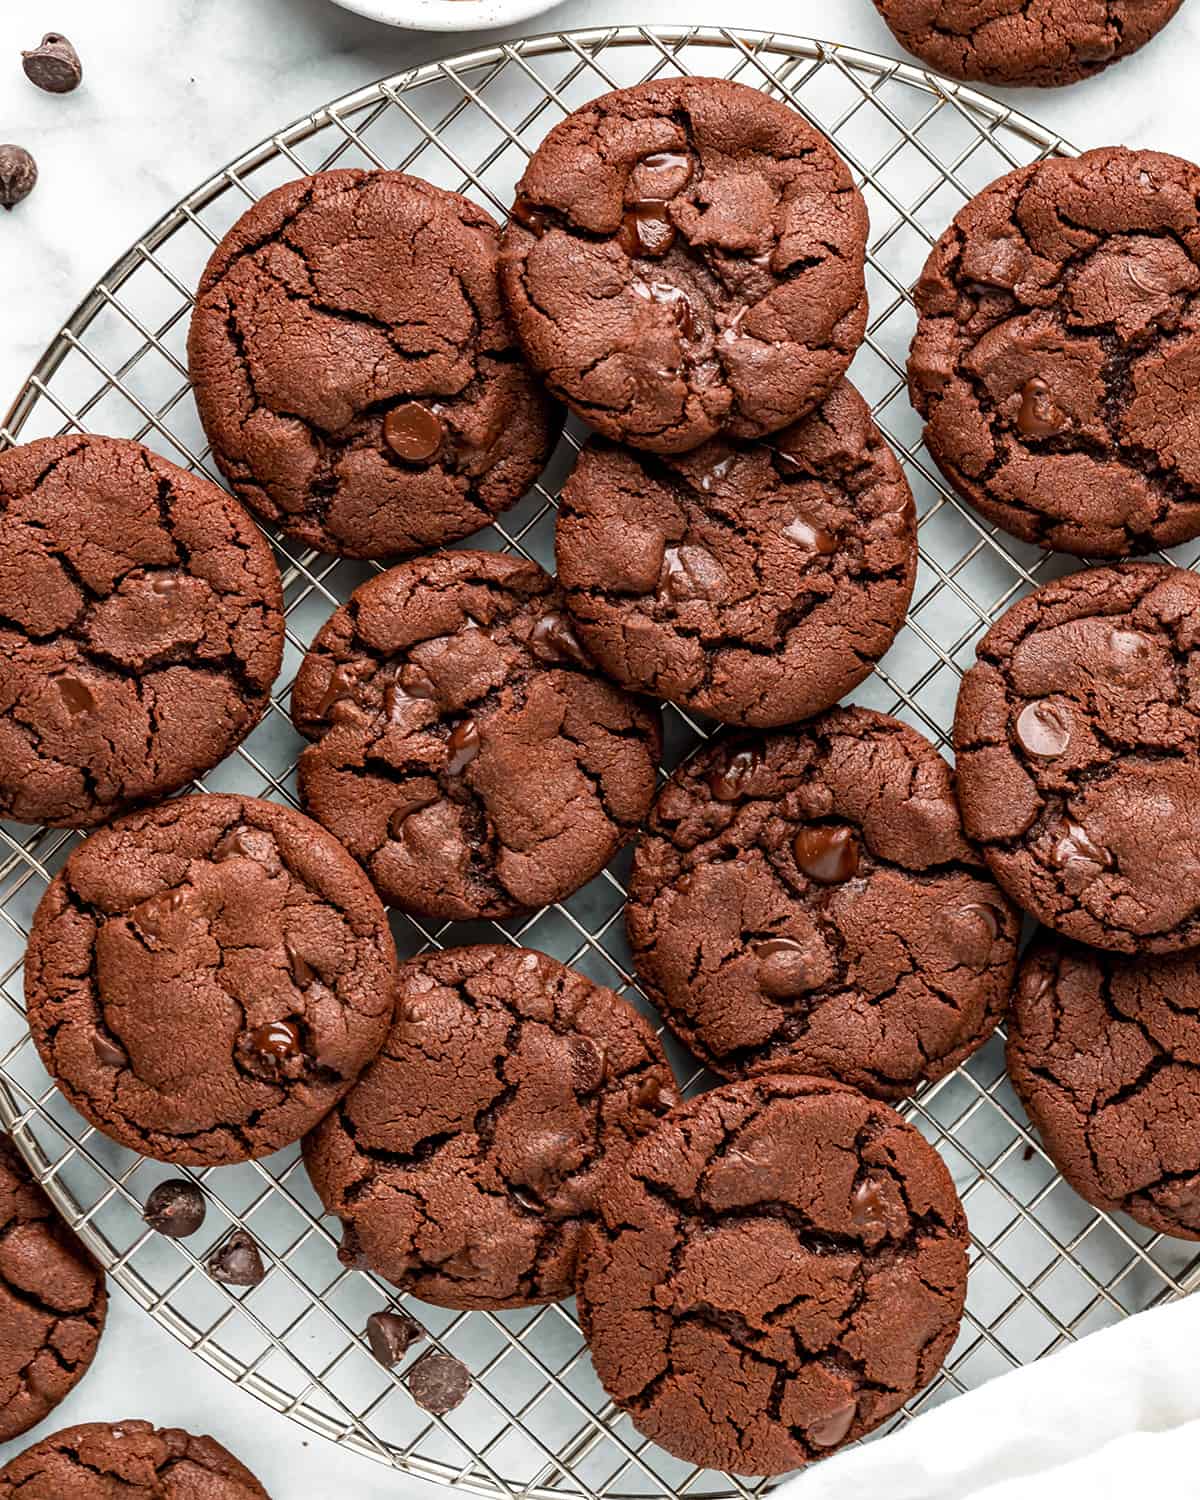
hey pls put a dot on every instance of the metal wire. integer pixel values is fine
(1046, 1267)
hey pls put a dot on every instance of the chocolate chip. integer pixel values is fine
(301, 970)
(786, 967)
(830, 1429)
(237, 1262)
(76, 695)
(646, 229)
(552, 639)
(18, 175)
(728, 783)
(153, 914)
(342, 687)
(412, 684)
(1080, 859)
(53, 65)
(589, 1064)
(665, 294)
(1038, 416)
(413, 432)
(1129, 654)
(391, 1335)
(244, 842)
(656, 1096)
(277, 1041)
(107, 1051)
(529, 216)
(813, 538)
(827, 855)
(971, 931)
(462, 747)
(690, 572)
(438, 1383)
(175, 1208)
(867, 1206)
(1044, 728)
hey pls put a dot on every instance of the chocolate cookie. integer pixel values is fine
(1057, 354)
(1103, 1051)
(807, 901)
(1037, 42)
(469, 755)
(755, 584)
(685, 259)
(141, 628)
(52, 1301)
(206, 980)
(466, 1161)
(129, 1459)
(777, 1268)
(1078, 740)
(354, 370)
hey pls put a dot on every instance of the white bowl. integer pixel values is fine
(448, 15)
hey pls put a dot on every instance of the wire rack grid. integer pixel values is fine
(1046, 1267)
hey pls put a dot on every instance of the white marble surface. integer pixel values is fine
(174, 89)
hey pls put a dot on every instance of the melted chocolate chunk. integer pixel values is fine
(1044, 729)
(462, 747)
(829, 855)
(278, 1041)
(1038, 416)
(414, 432)
(108, 1052)
(728, 782)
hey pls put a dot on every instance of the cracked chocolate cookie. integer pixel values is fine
(470, 755)
(206, 980)
(1057, 354)
(757, 584)
(775, 1270)
(807, 901)
(52, 1301)
(1043, 43)
(141, 628)
(685, 259)
(354, 370)
(129, 1459)
(1103, 1051)
(1078, 741)
(465, 1162)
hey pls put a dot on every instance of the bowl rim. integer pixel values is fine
(447, 15)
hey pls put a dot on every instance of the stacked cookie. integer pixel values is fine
(822, 913)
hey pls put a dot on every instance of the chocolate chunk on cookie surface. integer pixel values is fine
(466, 1161)
(207, 979)
(1033, 42)
(685, 259)
(1104, 1052)
(775, 1270)
(1057, 354)
(53, 1301)
(1078, 742)
(354, 370)
(469, 753)
(129, 1459)
(807, 900)
(757, 584)
(141, 628)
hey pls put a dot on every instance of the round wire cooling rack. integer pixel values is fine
(1046, 1267)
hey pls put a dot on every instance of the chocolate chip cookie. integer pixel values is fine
(465, 1162)
(129, 1459)
(685, 259)
(1035, 42)
(206, 980)
(1057, 354)
(1103, 1051)
(53, 1301)
(776, 1269)
(807, 900)
(470, 755)
(141, 628)
(354, 370)
(1078, 740)
(757, 584)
